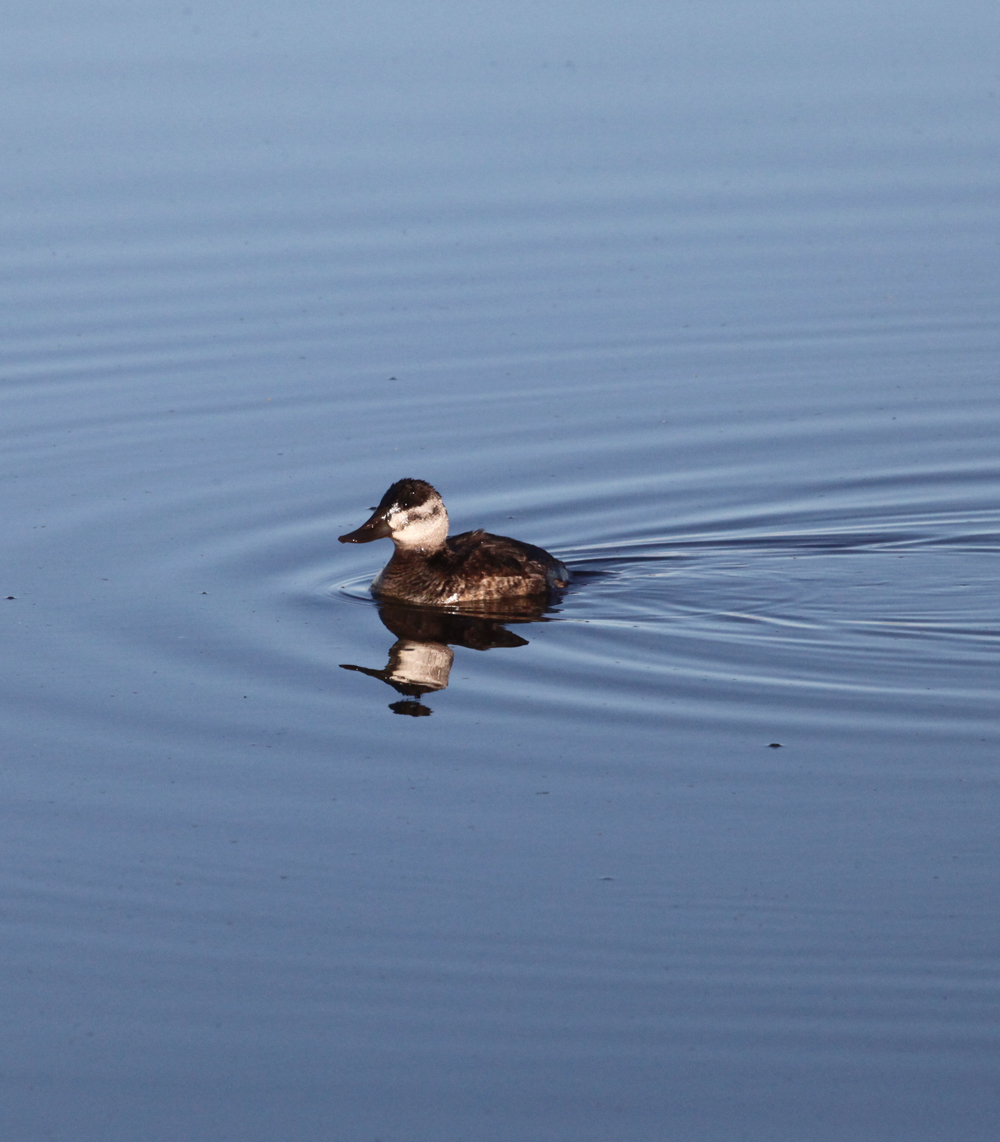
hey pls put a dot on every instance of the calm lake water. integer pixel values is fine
(701, 298)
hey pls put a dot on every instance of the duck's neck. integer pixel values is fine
(415, 550)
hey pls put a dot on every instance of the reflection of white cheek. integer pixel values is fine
(422, 664)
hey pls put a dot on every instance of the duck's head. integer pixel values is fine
(411, 514)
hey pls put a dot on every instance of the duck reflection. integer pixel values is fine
(420, 659)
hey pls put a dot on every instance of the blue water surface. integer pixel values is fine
(702, 299)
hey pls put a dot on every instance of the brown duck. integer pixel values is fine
(429, 568)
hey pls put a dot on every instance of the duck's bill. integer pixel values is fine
(375, 528)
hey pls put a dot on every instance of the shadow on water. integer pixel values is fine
(420, 659)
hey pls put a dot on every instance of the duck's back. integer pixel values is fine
(473, 565)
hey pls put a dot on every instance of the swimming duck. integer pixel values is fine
(428, 567)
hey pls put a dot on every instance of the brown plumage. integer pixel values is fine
(430, 568)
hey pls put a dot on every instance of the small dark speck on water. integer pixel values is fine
(774, 745)
(10, 596)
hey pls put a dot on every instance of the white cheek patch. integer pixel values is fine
(419, 527)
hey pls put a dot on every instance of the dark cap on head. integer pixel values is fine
(406, 494)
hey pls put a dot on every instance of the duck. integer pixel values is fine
(431, 569)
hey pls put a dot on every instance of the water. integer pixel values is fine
(702, 300)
